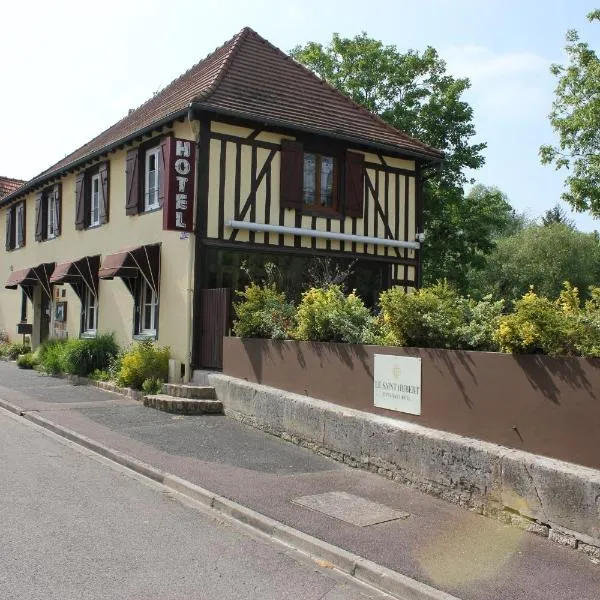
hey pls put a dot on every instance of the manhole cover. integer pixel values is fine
(351, 509)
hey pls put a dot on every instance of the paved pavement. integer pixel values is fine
(74, 527)
(467, 555)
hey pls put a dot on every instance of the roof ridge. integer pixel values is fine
(349, 100)
(235, 42)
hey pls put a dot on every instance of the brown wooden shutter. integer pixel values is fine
(292, 174)
(104, 200)
(57, 191)
(162, 169)
(132, 204)
(9, 228)
(24, 223)
(354, 184)
(80, 201)
(39, 217)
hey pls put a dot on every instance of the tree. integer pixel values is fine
(557, 214)
(544, 256)
(575, 117)
(412, 92)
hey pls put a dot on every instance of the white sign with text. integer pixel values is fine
(397, 383)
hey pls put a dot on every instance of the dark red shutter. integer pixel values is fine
(104, 204)
(292, 174)
(354, 184)
(57, 191)
(163, 162)
(80, 201)
(39, 217)
(9, 227)
(132, 203)
(24, 224)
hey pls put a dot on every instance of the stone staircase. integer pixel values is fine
(185, 400)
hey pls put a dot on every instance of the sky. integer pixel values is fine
(69, 70)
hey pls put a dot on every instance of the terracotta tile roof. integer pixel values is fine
(9, 185)
(250, 77)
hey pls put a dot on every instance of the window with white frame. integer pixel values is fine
(95, 201)
(52, 216)
(20, 225)
(90, 312)
(148, 309)
(152, 173)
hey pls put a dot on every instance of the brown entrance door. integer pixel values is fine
(215, 323)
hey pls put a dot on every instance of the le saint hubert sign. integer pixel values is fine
(179, 161)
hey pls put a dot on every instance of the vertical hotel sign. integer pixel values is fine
(179, 160)
(397, 383)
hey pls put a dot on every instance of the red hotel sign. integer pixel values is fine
(179, 162)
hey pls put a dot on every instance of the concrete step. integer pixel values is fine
(196, 392)
(183, 406)
(200, 376)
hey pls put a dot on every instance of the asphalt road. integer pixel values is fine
(73, 526)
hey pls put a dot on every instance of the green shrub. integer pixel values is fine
(99, 375)
(328, 315)
(14, 350)
(143, 360)
(84, 356)
(152, 386)
(50, 356)
(26, 361)
(482, 319)
(429, 318)
(263, 312)
(539, 326)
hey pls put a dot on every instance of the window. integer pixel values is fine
(148, 309)
(95, 201)
(152, 179)
(48, 213)
(90, 312)
(320, 181)
(52, 217)
(15, 226)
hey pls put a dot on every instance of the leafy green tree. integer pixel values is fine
(544, 256)
(413, 92)
(575, 117)
(557, 214)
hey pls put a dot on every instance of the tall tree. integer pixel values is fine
(557, 214)
(575, 117)
(413, 92)
(540, 255)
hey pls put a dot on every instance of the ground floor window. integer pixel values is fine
(90, 312)
(295, 273)
(147, 309)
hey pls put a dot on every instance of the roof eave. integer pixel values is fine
(40, 179)
(199, 108)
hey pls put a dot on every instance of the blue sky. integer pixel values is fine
(68, 70)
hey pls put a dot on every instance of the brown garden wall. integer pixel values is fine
(544, 405)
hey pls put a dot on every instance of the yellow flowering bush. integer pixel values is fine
(329, 315)
(142, 361)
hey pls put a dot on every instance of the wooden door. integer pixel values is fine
(215, 323)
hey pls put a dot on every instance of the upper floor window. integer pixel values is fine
(48, 204)
(331, 182)
(320, 181)
(153, 178)
(95, 201)
(144, 185)
(15, 226)
(91, 197)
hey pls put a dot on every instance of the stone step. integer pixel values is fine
(183, 406)
(196, 392)
(200, 376)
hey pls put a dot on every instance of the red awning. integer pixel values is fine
(130, 263)
(21, 277)
(79, 273)
(61, 272)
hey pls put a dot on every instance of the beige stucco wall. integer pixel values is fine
(115, 301)
(364, 226)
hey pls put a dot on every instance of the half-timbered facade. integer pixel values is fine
(143, 231)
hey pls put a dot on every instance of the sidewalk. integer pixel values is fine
(449, 548)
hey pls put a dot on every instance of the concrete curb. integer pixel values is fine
(365, 571)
